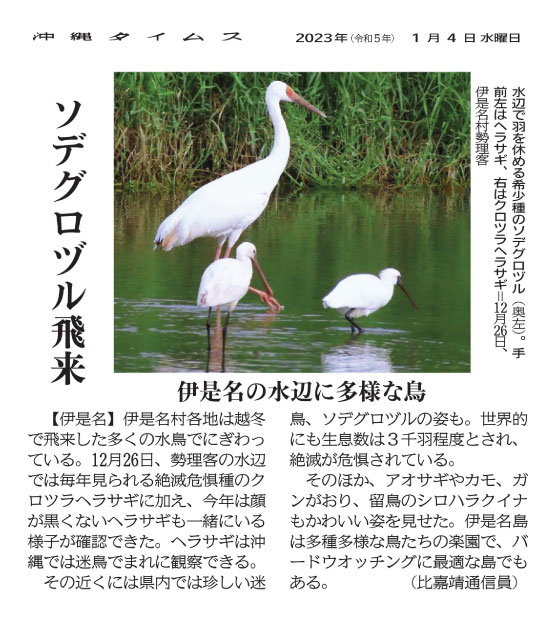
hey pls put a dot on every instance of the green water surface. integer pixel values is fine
(305, 243)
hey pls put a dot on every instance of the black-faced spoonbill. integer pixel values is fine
(361, 295)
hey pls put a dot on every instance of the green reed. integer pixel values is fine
(383, 129)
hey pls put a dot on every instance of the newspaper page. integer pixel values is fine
(280, 281)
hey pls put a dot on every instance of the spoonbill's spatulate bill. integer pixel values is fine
(361, 295)
(225, 207)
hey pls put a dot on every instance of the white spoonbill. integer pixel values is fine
(361, 295)
(227, 280)
(223, 208)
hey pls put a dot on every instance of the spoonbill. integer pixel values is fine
(361, 295)
(226, 206)
(227, 280)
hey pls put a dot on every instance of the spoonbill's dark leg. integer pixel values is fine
(224, 342)
(221, 242)
(354, 325)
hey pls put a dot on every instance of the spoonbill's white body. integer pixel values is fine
(225, 207)
(361, 295)
(226, 281)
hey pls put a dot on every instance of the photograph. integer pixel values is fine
(252, 235)
(283, 282)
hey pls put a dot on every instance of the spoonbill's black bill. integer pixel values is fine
(361, 295)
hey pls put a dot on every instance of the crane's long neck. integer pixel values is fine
(281, 148)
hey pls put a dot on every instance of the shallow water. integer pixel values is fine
(306, 243)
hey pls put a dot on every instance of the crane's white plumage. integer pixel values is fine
(225, 207)
(361, 295)
(227, 280)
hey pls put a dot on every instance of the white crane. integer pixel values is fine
(225, 207)
(361, 295)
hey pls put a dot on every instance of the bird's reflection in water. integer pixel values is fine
(248, 325)
(357, 355)
(217, 335)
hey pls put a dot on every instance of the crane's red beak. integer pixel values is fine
(299, 100)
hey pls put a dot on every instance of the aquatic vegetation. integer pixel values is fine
(383, 129)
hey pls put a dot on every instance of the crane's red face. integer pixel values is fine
(294, 97)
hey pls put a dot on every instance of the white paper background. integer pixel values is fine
(39, 74)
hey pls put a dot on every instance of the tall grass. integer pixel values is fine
(383, 129)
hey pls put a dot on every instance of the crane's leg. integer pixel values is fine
(219, 249)
(208, 326)
(354, 327)
(224, 335)
(226, 325)
(232, 239)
